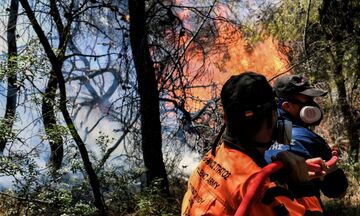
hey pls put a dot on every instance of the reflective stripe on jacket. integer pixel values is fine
(219, 183)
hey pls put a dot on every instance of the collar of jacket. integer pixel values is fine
(246, 148)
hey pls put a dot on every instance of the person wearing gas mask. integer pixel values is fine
(225, 174)
(295, 100)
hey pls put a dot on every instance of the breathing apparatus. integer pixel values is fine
(310, 113)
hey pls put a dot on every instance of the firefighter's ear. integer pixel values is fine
(285, 105)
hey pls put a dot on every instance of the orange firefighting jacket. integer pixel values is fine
(220, 182)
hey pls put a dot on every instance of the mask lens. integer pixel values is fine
(310, 114)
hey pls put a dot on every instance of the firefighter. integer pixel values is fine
(295, 100)
(222, 178)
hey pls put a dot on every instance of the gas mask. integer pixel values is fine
(310, 113)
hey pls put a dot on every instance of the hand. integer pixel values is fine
(295, 165)
(319, 171)
(318, 168)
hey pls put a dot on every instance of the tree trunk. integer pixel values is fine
(11, 74)
(56, 65)
(350, 123)
(48, 114)
(48, 102)
(149, 97)
(335, 17)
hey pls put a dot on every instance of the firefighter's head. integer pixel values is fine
(296, 97)
(249, 108)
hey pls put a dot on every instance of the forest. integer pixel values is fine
(107, 106)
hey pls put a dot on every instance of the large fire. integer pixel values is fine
(238, 56)
(234, 57)
(229, 54)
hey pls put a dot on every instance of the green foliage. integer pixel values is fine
(151, 202)
(352, 169)
(2, 66)
(60, 202)
(348, 205)
(56, 132)
(53, 202)
(122, 197)
(5, 131)
(68, 192)
(323, 42)
(341, 207)
(31, 64)
(9, 166)
(103, 141)
(37, 193)
(120, 189)
(287, 21)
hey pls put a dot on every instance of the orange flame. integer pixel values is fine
(235, 57)
(230, 55)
